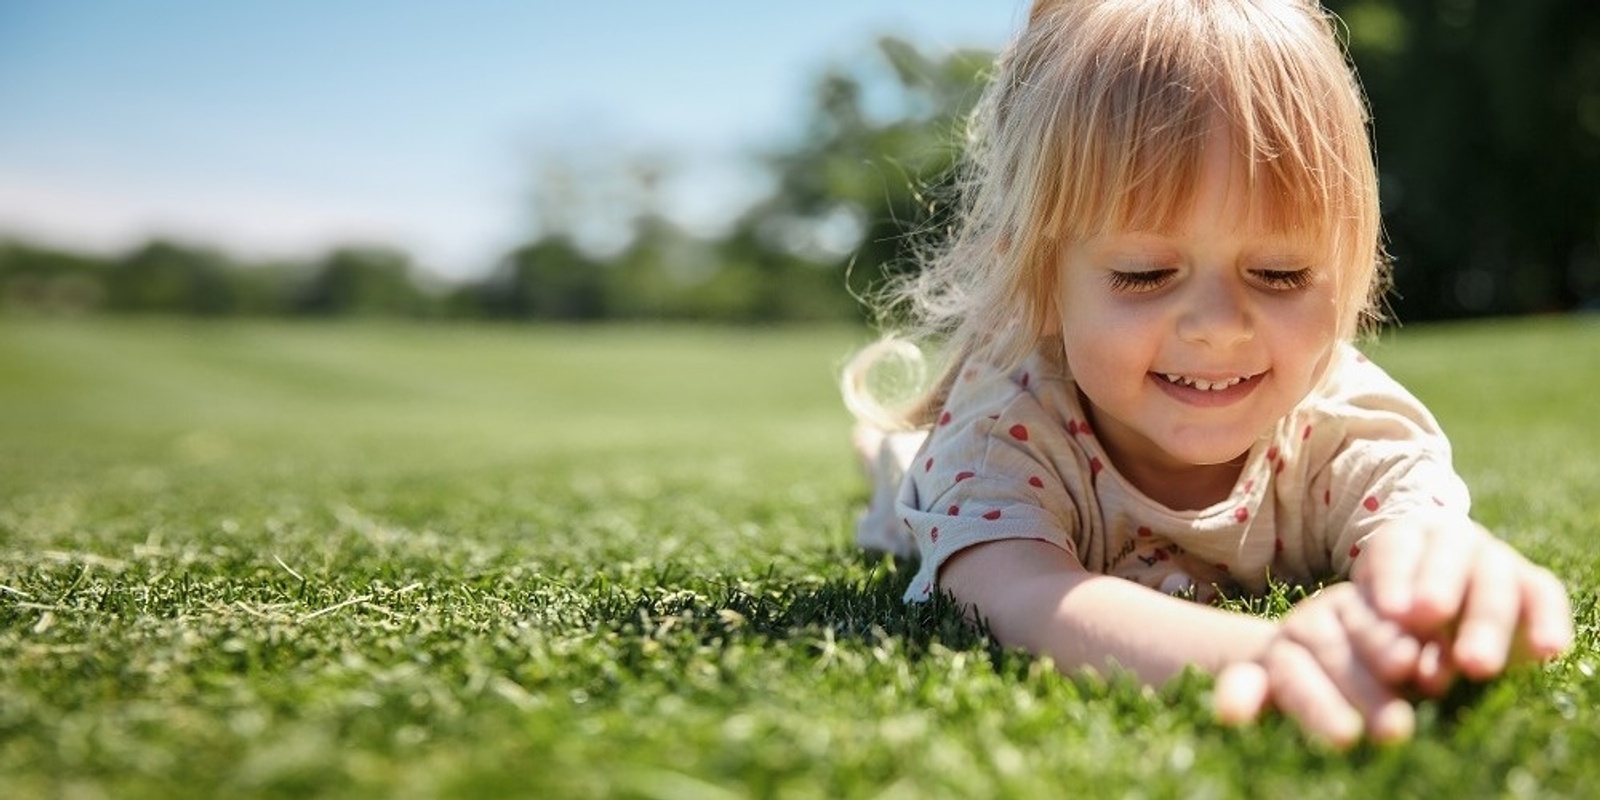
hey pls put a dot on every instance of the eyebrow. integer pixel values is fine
(1160, 248)
(1280, 259)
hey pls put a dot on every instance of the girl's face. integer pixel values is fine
(1190, 344)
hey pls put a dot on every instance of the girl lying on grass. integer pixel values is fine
(1168, 240)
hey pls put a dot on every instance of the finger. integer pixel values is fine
(1305, 693)
(1442, 579)
(1546, 614)
(1333, 641)
(1490, 611)
(1435, 672)
(1388, 568)
(1381, 645)
(1241, 693)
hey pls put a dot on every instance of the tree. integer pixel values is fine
(360, 281)
(549, 279)
(1487, 123)
(40, 279)
(164, 277)
(864, 189)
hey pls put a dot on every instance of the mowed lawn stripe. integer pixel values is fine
(376, 560)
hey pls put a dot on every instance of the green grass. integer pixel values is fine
(369, 561)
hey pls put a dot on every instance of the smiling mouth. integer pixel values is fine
(1203, 384)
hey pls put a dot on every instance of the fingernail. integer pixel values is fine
(1553, 638)
(1480, 655)
(1346, 729)
(1395, 722)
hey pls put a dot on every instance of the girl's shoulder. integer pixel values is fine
(985, 387)
(1358, 400)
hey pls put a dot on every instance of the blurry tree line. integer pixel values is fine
(1487, 124)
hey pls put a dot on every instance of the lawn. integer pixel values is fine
(244, 560)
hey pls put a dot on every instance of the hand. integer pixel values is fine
(1335, 666)
(1448, 579)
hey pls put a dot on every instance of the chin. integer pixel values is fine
(1208, 454)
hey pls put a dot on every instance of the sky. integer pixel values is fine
(280, 128)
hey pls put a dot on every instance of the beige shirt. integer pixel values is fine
(1013, 456)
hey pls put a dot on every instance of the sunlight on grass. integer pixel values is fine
(301, 560)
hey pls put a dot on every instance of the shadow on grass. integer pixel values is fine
(863, 606)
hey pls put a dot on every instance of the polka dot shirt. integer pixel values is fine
(1014, 456)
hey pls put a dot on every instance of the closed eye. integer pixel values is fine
(1139, 281)
(1286, 280)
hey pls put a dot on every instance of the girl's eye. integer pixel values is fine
(1286, 280)
(1141, 281)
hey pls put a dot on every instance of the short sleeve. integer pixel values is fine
(986, 475)
(1387, 460)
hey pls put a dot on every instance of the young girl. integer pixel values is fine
(1169, 237)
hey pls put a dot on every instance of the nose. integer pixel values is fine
(1215, 313)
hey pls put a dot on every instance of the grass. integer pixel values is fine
(368, 561)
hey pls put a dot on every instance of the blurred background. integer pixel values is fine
(721, 161)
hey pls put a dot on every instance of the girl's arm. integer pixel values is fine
(1332, 664)
(1036, 596)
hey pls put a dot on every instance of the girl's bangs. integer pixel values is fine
(1155, 186)
(1131, 124)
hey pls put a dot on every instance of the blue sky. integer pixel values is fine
(279, 127)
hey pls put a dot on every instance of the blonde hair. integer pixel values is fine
(1095, 120)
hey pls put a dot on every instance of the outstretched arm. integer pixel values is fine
(1036, 596)
(1333, 664)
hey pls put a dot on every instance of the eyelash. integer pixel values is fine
(1145, 281)
(1284, 280)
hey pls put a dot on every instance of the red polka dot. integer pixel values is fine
(1272, 453)
(1355, 550)
(1036, 482)
(1144, 531)
(1019, 432)
(1072, 427)
(1095, 466)
(953, 511)
(1162, 555)
(944, 419)
(1327, 497)
(1026, 379)
(1370, 504)
(1306, 434)
(927, 466)
(1241, 514)
(1084, 429)
(934, 534)
(961, 476)
(1249, 486)
(1279, 469)
(992, 515)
